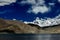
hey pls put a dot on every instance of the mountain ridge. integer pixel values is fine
(18, 27)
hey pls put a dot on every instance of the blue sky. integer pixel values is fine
(19, 11)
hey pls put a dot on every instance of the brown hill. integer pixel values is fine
(10, 26)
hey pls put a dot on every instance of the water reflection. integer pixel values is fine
(30, 37)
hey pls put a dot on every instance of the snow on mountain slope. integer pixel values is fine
(45, 22)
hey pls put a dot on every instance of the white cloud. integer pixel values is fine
(51, 4)
(14, 19)
(46, 22)
(33, 2)
(40, 9)
(38, 6)
(28, 2)
(6, 2)
(59, 1)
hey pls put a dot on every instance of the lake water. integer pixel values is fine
(30, 37)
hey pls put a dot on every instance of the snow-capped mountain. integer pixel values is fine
(45, 22)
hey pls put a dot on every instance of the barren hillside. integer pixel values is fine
(10, 26)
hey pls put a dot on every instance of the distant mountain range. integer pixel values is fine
(45, 22)
(16, 26)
